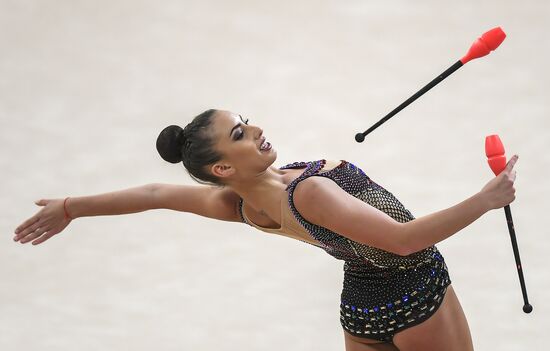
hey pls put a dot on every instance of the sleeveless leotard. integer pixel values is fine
(383, 293)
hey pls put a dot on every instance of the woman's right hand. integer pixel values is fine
(500, 191)
(47, 222)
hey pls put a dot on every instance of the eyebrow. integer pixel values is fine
(235, 127)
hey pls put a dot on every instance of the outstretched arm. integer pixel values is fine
(51, 219)
(323, 202)
(202, 200)
(132, 200)
(206, 201)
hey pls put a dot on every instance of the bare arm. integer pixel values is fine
(51, 220)
(206, 201)
(428, 230)
(132, 200)
(202, 200)
(323, 202)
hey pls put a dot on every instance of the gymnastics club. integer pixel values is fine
(488, 42)
(497, 161)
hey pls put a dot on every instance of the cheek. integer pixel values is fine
(242, 153)
(251, 148)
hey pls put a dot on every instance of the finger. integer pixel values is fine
(41, 202)
(45, 237)
(32, 236)
(38, 232)
(40, 226)
(28, 230)
(511, 163)
(25, 224)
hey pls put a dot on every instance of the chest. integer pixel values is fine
(266, 220)
(263, 219)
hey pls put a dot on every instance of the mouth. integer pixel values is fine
(265, 145)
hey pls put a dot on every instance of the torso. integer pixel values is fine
(362, 281)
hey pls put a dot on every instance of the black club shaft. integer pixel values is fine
(527, 308)
(359, 137)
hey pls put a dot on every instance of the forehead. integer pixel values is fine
(224, 121)
(227, 117)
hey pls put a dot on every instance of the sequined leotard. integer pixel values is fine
(383, 293)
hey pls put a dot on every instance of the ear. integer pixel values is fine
(222, 170)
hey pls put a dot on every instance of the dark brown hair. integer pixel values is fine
(192, 145)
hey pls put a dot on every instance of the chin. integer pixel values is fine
(272, 157)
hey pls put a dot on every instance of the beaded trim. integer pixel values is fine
(381, 321)
(312, 168)
(241, 211)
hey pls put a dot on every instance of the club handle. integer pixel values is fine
(359, 137)
(527, 308)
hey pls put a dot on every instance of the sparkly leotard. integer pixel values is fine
(383, 293)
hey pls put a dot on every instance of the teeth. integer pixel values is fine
(264, 145)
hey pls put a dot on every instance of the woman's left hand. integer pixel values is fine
(47, 222)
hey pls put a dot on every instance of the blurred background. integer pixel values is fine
(86, 86)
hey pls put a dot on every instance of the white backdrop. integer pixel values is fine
(86, 86)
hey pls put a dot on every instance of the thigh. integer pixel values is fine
(446, 330)
(353, 343)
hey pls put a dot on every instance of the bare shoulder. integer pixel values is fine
(227, 202)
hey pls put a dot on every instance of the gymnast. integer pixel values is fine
(397, 293)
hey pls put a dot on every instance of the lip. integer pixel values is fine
(264, 141)
(260, 146)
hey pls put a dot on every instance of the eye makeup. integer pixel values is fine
(241, 134)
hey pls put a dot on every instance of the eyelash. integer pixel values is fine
(242, 133)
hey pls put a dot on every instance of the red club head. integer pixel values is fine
(495, 153)
(488, 42)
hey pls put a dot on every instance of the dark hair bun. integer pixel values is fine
(170, 143)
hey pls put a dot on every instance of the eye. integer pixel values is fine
(241, 134)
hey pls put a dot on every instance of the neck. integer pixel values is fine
(263, 188)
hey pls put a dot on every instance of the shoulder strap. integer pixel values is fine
(312, 169)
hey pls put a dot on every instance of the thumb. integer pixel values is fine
(41, 202)
(511, 163)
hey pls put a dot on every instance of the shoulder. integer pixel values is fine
(314, 194)
(311, 185)
(223, 204)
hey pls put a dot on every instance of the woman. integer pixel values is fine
(397, 294)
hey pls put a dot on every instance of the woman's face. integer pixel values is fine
(239, 142)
